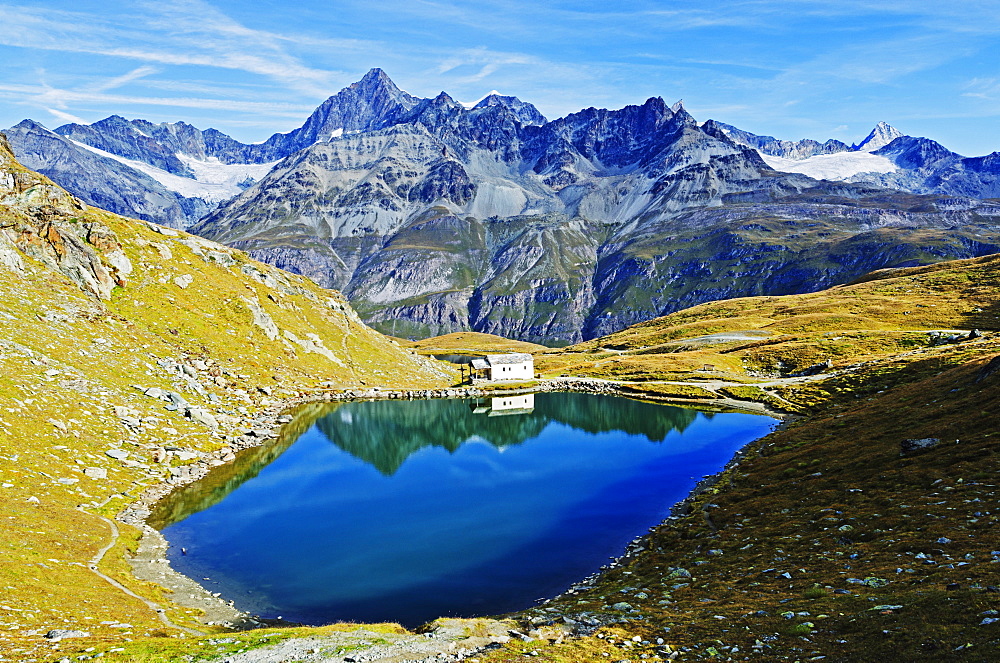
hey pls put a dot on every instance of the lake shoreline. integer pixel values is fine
(151, 564)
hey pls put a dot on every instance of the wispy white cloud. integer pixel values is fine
(204, 30)
(175, 32)
(124, 79)
(983, 88)
(66, 117)
(49, 97)
(486, 59)
(880, 63)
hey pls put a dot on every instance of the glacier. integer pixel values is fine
(214, 182)
(840, 166)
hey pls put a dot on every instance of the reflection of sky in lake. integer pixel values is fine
(321, 534)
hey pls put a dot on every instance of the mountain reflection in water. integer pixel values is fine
(384, 435)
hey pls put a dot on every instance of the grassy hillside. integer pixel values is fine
(473, 343)
(95, 310)
(757, 337)
(827, 542)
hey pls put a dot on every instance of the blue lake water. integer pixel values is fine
(407, 511)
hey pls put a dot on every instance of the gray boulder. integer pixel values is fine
(202, 416)
(907, 447)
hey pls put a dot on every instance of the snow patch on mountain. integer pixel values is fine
(214, 181)
(472, 104)
(840, 166)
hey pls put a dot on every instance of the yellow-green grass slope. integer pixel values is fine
(826, 540)
(93, 306)
(766, 337)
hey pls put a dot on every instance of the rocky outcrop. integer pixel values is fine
(43, 222)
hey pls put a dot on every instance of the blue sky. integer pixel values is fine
(791, 68)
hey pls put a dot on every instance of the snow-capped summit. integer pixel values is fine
(881, 135)
(473, 104)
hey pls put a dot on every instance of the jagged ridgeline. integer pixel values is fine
(433, 216)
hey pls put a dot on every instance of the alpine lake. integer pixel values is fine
(405, 511)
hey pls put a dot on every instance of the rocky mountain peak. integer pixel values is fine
(657, 105)
(376, 74)
(444, 99)
(880, 136)
(916, 153)
(372, 103)
(138, 140)
(494, 98)
(30, 125)
(375, 82)
(657, 115)
(526, 113)
(113, 120)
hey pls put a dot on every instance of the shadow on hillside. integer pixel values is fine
(987, 319)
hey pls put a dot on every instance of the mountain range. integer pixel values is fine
(435, 216)
(886, 157)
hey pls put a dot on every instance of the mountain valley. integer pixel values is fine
(135, 357)
(433, 216)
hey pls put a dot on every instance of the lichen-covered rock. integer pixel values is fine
(45, 223)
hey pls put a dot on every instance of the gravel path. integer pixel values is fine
(96, 560)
